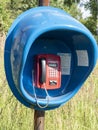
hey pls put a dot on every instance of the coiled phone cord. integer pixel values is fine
(47, 97)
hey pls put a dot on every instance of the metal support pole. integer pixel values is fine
(43, 2)
(39, 117)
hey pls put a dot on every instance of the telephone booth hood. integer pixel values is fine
(48, 30)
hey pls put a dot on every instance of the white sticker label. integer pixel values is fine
(65, 63)
(82, 57)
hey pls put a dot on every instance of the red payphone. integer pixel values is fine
(48, 71)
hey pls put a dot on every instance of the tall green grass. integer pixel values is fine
(80, 113)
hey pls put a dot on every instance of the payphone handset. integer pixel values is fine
(48, 71)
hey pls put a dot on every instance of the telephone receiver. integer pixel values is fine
(48, 71)
(42, 78)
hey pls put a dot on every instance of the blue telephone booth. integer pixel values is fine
(68, 54)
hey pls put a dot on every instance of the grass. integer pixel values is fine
(80, 113)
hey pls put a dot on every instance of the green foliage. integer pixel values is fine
(90, 23)
(67, 3)
(70, 2)
(22, 4)
(92, 5)
(10, 9)
(74, 11)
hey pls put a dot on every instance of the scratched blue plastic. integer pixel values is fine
(46, 30)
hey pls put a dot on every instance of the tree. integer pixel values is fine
(70, 2)
(90, 23)
(22, 5)
(92, 5)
